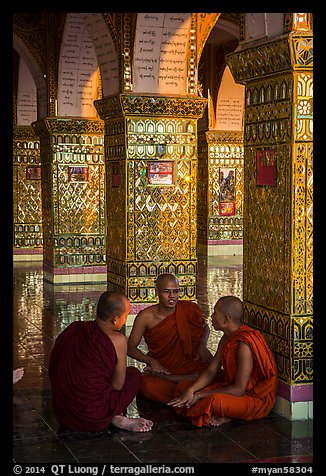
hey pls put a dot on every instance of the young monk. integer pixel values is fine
(176, 334)
(91, 383)
(241, 380)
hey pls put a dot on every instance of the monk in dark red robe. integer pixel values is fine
(91, 384)
(175, 334)
(241, 380)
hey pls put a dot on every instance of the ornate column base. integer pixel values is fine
(75, 275)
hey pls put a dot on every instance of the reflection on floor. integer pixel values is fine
(42, 311)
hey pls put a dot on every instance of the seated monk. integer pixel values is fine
(241, 380)
(91, 383)
(176, 334)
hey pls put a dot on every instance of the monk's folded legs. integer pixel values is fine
(218, 408)
(157, 389)
(121, 399)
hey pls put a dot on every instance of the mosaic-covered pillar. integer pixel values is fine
(224, 192)
(151, 175)
(27, 196)
(277, 246)
(73, 203)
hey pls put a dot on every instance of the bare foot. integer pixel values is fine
(132, 424)
(17, 374)
(214, 421)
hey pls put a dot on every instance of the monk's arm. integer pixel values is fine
(203, 352)
(119, 373)
(244, 362)
(189, 397)
(137, 332)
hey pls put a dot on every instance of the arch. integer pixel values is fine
(36, 72)
(105, 49)
(230, 104)
(26, 96)
(78, 70)
(160, 53)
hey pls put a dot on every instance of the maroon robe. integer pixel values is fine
(80, 368)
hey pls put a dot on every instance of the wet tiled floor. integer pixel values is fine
(42, 311)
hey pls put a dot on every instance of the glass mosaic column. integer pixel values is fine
(73, 204)
(224, 202)
(151, 169)
(277, 246)
(27, 196)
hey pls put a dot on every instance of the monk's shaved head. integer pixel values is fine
(111, 304)
(231, 306)
(165, 278)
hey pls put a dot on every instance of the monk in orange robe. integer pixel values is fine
(176, 334)
(241, 380)
(91, 384)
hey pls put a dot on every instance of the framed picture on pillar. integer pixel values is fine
(161, 173)
(227, 184)
(77, 173)
(115, 174)
(266, 167)
(33, 172)
(227, 208)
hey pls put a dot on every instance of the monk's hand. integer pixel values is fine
(155, 369)
(186, 399)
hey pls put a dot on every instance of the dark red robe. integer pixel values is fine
(80, 368)
(260, 395)
(174, 343)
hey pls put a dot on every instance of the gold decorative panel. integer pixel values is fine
(205, 24)
(27, 197)
(73, 187)
(294, 361)
(202, 186)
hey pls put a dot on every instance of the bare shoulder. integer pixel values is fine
(147, 314)
(145, 319)
(118, 339)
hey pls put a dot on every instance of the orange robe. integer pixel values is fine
(174, 343)
(260, 395)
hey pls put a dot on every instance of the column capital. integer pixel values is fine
(68, 125)
(224, 136)
(291, 52)
(150, 105)
(24, 133)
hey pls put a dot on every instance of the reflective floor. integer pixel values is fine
(42, 311)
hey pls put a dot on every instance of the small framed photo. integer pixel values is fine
(227, 208)
(78, 173)
(33, 172)
(227, 181)
(161, 173)
(266, 167)
(115, 174)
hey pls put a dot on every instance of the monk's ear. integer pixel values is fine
(227, 319)
(116, 320)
